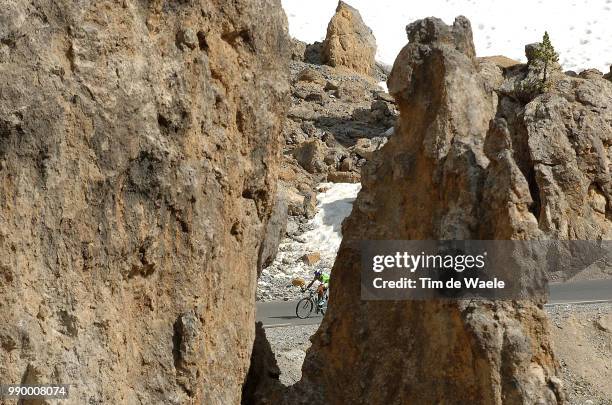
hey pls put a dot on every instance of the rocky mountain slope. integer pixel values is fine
(139, 155)
(336, 121)
(338, 118)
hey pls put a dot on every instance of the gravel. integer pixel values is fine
(584, 351)
(289, 345)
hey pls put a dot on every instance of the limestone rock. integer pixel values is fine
(364, 148)
(312, 76)
(139, 146)
(310, 155)
(189, 349)
(295, 202)
(343, 177)
(297, 49)
(571, 160)
(351, 92)
(591, 74)
(346, 165)
(310, 205)
(310, 91)
(434, 180)
(530, 50)
(500, 60)
(604, 322)
(311, 258)
(349, 42)
(187, 38)
(274, 231)
(331, 85)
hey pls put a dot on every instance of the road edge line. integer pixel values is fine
(577, 303)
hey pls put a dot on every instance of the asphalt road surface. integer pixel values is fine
(282, 313)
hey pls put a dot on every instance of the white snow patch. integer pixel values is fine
(580, 30)
(334, 205)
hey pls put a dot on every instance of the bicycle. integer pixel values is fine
(306, 305)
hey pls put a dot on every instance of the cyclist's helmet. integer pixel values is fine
(317, 273)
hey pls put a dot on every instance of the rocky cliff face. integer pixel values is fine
(476, 155)
(139, 144)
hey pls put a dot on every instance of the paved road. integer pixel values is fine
(282, 313)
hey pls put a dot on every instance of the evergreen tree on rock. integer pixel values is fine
(547, 55)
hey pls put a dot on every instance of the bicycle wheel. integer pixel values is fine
(304, 308)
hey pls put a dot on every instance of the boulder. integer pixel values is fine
(295, 202)
(343, 177)
(293, 133)
(331, 85)
(310, 205)
(604, 323)
(530, 51)
(591, 74)
(346, 165)
(383, 112)
(364, 148)
(287, 174)
(298, 282)
(352, 92)
(500, 60)
(349, 42)
(310, 75)
(311, 258)
(310, 129)
(331, 142)
(384, 96)
(310, 155)
(309, 91)
(332, 158)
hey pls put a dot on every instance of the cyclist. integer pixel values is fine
(323, 280)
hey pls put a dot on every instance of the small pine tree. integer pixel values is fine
(547, 55)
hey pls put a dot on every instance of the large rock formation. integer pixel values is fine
(472, 158)
(139, 144)
(349, 42)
